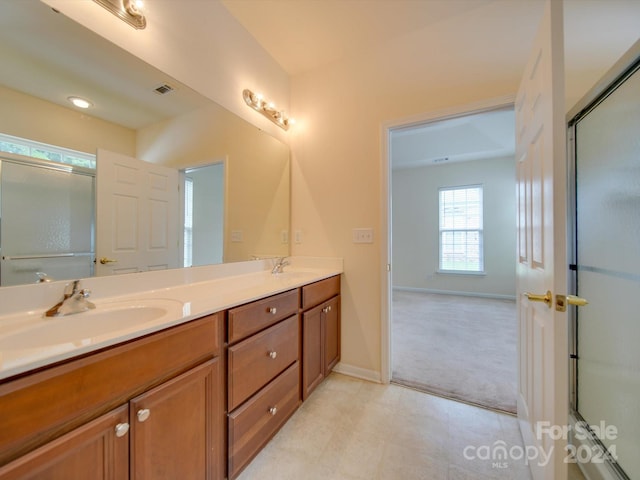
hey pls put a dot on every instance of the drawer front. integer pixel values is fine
(318, 292)
(255, 316)
(255, 361)
(252, 425)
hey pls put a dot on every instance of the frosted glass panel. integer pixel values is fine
(608, 254)
(47, 218)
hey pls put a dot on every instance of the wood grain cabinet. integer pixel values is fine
(148, 409)
(98, 450)
(263, 369)
(320, 332)
(158, 407)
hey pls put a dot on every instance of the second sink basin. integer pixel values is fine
(90, 326)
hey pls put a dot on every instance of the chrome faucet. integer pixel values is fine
(281, 262)
(73, 301)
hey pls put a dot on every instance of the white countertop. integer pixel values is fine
(28, 340)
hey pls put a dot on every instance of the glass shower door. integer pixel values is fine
(47, 223)
(607, 274)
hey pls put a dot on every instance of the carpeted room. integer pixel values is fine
(454, 330)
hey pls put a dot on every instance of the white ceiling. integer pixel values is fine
(46, 55)
(302, 35)
(471, 137)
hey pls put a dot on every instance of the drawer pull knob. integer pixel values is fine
(122, 429)
(273, 354)
(273, 310)
(327, 309)
(143, 414)
(273, 410)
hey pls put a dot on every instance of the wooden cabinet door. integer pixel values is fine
(93, 451)
(331, 334)
(174, 427)
(312, 362)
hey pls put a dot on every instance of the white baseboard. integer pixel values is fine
(495, 296)
(357, 372)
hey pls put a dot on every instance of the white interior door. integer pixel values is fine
(137, 215)
(542, 266)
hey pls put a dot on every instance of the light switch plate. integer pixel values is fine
(236, 236)
(363, 235)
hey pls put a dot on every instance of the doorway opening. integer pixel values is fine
(203, 215)
(453, 321)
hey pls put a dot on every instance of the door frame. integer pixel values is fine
(385, 209)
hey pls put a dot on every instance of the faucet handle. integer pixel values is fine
(71, 288)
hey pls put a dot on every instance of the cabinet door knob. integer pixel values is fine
(122, 429)
(273, 310)
(143, 414)
(273, 410)
(273, 354)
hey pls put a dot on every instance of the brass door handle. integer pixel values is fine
(563, 300)
(105, 260)
(547, 298)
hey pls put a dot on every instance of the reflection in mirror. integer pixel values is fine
(203, 215)
(47, 58)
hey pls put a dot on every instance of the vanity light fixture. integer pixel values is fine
(267, 109)
(80, 102)
(128, 10)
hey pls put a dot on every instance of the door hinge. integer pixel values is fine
(573, 356)
(388, 267)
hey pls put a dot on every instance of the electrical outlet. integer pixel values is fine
(236, 236)
(363, 235)
(297, 236)
(284, 236)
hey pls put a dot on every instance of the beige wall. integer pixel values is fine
(337, 149)
(29, 117)
(257, 171)
(415, 226)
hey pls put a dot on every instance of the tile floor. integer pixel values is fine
(353, 429)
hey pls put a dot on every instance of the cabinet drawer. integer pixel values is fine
(255, 316)
(254, 362)
(252, 425)
(318, 292)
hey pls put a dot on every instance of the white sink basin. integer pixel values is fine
(108, 319)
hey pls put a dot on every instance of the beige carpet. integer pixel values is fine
(459, 347)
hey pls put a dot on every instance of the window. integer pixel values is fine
(188, 222)
(461, 229)
(29, 148)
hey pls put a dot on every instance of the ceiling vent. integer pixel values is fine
(441, 160)
(163, 89)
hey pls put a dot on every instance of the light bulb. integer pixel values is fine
(80, 102)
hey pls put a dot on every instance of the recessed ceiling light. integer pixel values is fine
(80, 102)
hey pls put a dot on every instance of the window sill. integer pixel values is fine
(461, 272)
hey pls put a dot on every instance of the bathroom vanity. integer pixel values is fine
(194, 397)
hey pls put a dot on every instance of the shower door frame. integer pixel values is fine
(624, 68)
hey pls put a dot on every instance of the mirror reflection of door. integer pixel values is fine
(137, 205)
(204, 215)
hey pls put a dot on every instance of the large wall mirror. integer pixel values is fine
(47, 58)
